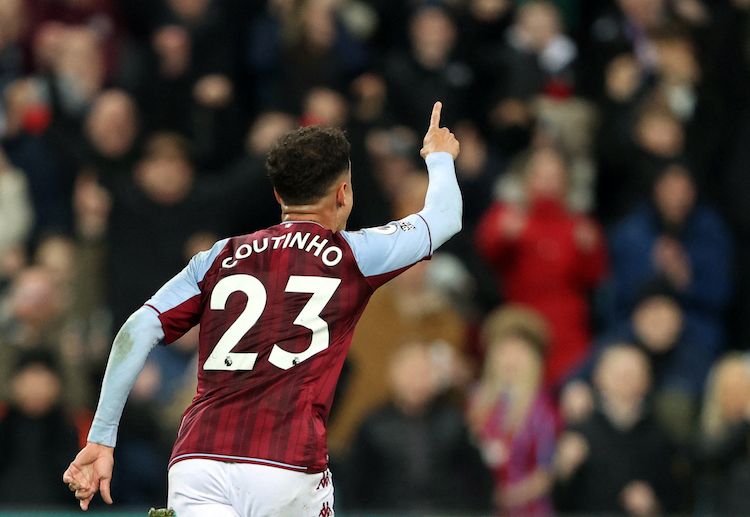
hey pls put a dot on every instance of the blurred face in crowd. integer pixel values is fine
(147, 383)
(57, 254)
(513, 361)
(35, 389)
(433, 36)
(325, 107)
(733, 389)
(165, 174)
(111, 125)
(623, 375)
(12, 21)
(35, 297)
(538, 23)
(660, 133)
(319, 23)
(390, 151)
(658, 323)
(80, 62)
(674, 195)
(413, 382)
(646, 13)
(189, 10)
(546, 176)
(676, 60)
(268, 128)
(488, 10)
(173, 48)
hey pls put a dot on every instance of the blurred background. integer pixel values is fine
(578, 349)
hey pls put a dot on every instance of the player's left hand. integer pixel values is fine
(91, 472)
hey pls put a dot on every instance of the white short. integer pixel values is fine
(200, 488)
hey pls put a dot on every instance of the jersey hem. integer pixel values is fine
(243, 459)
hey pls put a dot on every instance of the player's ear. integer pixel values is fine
(278, 198)
(341, 193)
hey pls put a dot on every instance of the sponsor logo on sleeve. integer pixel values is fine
(406, 226)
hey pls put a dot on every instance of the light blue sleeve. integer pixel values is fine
(168, 314)
(184, 285)
(137, 337)
(383, 252)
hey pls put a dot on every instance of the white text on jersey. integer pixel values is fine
(330, 255)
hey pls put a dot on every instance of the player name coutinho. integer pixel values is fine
(329, 254)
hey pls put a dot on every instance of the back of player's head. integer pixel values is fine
(304, 163)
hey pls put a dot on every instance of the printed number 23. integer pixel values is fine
(222, 357)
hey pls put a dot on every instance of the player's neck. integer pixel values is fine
(311, 213)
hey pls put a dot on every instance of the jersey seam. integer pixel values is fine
(362, 273)
(158, 312)
(429, 232)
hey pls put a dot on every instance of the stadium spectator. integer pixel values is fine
(723, 450)
(679, 363)
(297, 46)
(414, 309)
(112, 132)
(546, 257)
(16, 214)
(254, 206)
(510, 415)
(431, 62)
(36, 318)
(413, 454)
(29, 147)
(617, 460)
(536, 56)
(13, 27)
(676, 238)
(37, 436)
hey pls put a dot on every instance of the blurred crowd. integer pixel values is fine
(578, 348)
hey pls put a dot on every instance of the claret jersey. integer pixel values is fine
(277, 310)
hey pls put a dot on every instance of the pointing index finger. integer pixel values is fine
(435, 117)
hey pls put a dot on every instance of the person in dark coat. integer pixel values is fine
(618, 460)
(413, 454)
(37, 436)
(682, 241)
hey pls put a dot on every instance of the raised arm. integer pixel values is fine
(384, 252)
(443, 206)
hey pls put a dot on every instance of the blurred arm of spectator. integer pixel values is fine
(572, 451)
(639, 499)
(592, 252)
(710, 285)
(370, 94)
(499, 230)
(92, 204)
(535, 485)
(15, 207)
(576, 402)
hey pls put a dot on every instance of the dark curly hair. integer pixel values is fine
(304, 163)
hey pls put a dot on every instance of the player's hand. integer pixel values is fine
(439, 139)
(91, 472)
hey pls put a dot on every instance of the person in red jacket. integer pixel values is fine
(547, 257)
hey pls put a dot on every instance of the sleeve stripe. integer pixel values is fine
(429, 232)
(152, 307)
